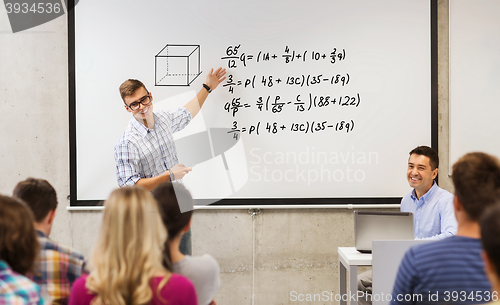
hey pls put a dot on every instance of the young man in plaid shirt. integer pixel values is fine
(145, 154)
(57, 266)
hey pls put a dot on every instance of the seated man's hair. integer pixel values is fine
(490, 231)
(476, 177)
(18, 240)
(40, 196)
(428, 152)
(128, 87)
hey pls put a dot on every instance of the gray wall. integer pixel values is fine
(295, 250)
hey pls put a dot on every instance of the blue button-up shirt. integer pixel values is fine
(433, 213)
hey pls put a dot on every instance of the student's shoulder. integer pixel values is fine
(441, 248)
(65, 256)
(209, 260)
(179, 279)
(16, 288)
(175, 282)
(205, 258)
(177, 290)
(202, 262)
(49, 244)
(14, 282)
(80, 282)
(79, 292)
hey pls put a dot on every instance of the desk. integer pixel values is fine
(349, 260)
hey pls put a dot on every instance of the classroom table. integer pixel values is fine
(349, 260)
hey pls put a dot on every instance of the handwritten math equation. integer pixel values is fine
(235, 57)
(275, 104)
(278, 101)
(302, 127)
(298, 81)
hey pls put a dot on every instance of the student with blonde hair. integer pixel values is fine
(126, 266)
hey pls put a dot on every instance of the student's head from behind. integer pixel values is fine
(423, 166)
(129, 247)
(18, 240)
(476, 178)
(169, 197)
(490, 232)
(41, 197)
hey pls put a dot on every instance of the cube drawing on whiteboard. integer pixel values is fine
(177, 65)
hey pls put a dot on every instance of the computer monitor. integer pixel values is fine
(369, 226)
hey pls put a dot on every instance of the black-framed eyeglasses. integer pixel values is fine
(145, 100)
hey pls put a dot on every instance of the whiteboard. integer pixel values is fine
(474, 77)
(324, 99)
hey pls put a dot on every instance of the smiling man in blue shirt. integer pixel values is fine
(451, 271)
(432, 206)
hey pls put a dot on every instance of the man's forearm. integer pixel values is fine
(151, 183)
(196, 103)
(214, 78)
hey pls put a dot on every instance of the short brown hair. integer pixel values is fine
(476, 177)
(128, 87)
(428, 152)
(490, 230)
(18, 240)
(40, 196)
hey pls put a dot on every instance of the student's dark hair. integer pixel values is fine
(168, 198)
(428, 152)
(18, 240)
(40, 196)
(490, 230)
(476, 178)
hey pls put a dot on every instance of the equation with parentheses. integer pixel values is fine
(307, 127)
(304, 80)
(275, 104)
(235, 57)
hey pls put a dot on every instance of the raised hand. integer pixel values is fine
(215, 78)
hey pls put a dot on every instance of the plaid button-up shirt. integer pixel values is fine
(56, 268)
(17, 289)
(145, 153)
